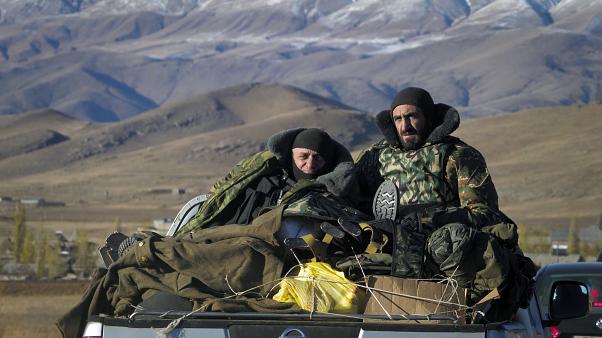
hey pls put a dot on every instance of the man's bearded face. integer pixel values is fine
(411, 125)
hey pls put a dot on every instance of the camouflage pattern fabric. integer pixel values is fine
(449, 247)
(309, 198)
(320, 204)
(471, 239)
(419, 174)
(482, 261)
(408, 252)
(450, 172)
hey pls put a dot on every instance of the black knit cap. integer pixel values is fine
(316, 140)
(414, 96)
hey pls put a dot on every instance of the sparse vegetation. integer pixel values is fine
(19, 232)
(53, 261)
(41, 266)
(85, 253)
(590, 249)
(573, 238)
(28, 254)
(534, 239)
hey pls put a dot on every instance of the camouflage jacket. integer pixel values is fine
(444, 171)
(273, 161)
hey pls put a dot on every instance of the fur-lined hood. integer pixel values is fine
(338, 181)
(445, 121)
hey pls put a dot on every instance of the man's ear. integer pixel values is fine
(386, 126)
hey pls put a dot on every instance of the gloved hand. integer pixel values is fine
(340, 181)
(454, 215)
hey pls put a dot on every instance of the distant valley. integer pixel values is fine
(546, 163)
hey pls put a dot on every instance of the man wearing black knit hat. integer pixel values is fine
(408, 113)
(311, 151)
(263, 179)
(426, 164)
(437, 196)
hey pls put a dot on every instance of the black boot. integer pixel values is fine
(385, 201)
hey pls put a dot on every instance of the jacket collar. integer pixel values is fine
(445, 120)
(339, 181)
(280, 145)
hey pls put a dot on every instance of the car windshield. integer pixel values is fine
(593, 282)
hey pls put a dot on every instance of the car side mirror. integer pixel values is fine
(568, 300)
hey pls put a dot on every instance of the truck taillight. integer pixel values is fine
(595, 297)
(554, 332)
(93, 330)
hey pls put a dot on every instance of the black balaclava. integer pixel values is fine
(318, 141)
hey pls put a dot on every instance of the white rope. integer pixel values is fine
(236, 293)
(295, 255)
(380, 290)
(174, 323)
(450, 282)
(370, 289)
(282, 278)
(430, 300)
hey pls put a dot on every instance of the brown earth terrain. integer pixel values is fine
(30, 309)
(546, 164)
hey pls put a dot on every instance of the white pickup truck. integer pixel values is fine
(568, 299)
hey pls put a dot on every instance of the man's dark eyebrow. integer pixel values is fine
(410, 113)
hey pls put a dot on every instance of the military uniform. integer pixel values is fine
(468, 238)
(243, 187)
(446, 172)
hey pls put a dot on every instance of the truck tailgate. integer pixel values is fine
(236, 328)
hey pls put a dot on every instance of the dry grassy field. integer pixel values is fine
(30, 309)
(546, 164)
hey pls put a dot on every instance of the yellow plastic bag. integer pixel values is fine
(319, 287)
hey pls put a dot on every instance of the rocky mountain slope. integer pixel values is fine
(545, 162)
(112, 59)
(188, 144)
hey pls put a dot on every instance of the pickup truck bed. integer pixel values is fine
(253, 325)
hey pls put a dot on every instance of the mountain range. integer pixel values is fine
(546, 162)
(186, 145)
(107, 60)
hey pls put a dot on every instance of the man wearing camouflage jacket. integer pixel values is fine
(427, 165)
(443, 205)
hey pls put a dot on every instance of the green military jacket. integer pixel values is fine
(445, 171)
(225, 190)
(473, 244)
(338, 182)
(208, 266)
